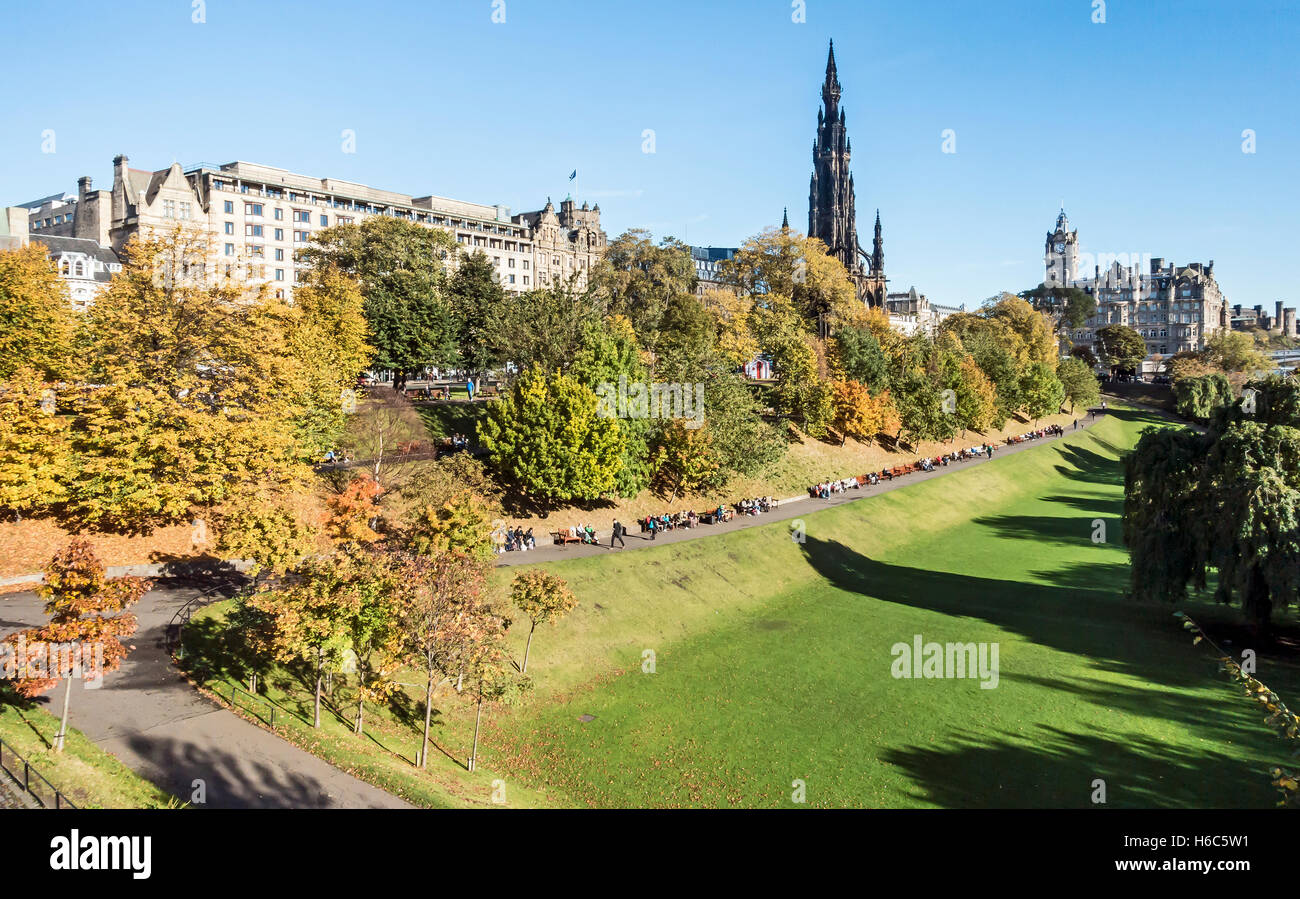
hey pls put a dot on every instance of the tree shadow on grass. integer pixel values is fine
(1060, 769)
(1063, 530)
(1097, 624)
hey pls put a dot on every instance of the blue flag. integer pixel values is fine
(573, 174)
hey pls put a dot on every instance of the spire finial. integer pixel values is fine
(785, 219)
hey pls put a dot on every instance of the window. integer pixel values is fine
(230, 251)
(252, 230)
(279, 274)
(510, 263)
(257, 252)
(230, 207)
(301, 236)
(79, 270)
(512, 279)
(324, 221)
(525, 280)
(279, 234)
(253, 209)
(279, 255)
(185, 211)
(279, 214)
(169, 209)
(525, 265)
(302, 216)
(230, 227)
(65, 267)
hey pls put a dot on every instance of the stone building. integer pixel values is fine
(1282, 321)
(708, 267)
(912, 312)
(1173, 307)
(832, 210)
(257, 216)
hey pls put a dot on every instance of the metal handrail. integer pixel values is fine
(28, 772)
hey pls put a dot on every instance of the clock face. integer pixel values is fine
(1060, 247)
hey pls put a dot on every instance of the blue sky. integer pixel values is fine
(1136, 124)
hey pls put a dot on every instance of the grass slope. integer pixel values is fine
(86, 774)
(772, 660)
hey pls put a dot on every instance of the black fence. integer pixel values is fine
(31, 780)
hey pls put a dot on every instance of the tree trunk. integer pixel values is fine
(319, 677)
(478, 716)
(63, 722)
(428, 715)
(528, 646)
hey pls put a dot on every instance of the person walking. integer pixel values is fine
(616, 534)
(1103, 407)
(654, 527)
(469, 388)
(1076, 424)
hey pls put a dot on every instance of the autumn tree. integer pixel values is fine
(196, 390)
(463, 524)
(34, 462)
(37, 323)
(543, 597)
(328, 339)
(83, 637)
(860, 415)
(309, 616)
(442, 612)
(686, 460)
(783, 262)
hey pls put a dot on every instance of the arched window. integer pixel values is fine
(65, 267)
(79, 270)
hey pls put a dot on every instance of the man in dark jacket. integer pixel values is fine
(616, 534)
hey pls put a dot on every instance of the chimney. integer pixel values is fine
(83, 188)
(120, 199)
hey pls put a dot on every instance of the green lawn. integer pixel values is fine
(773, 661)
(86, 774)
(773, 664)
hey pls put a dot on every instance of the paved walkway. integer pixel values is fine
(150, 717)
(785, 510)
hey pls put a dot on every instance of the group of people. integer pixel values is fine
(653, 524)
(827, 489)
(755, 506)
(334, 457)
(1049, 431)
(517, 540)
(961, 455)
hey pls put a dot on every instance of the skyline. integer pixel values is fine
(732, 94)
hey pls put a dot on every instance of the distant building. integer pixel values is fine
(913, 312)
(86, 266)
(708, 264)
(1173, 307)
(1282, 321)
(257, 217)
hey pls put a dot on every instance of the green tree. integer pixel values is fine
(860, 355)
(546, 437)
(1120, 347)
(1226, 501)
(544, 328)
(640, 280)
(477, 299)
(402, 269)
(1079, 382)
(1197, 398)
(1234, 351)
(1041, 390)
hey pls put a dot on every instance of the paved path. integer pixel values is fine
(150, 717)
(787, 509)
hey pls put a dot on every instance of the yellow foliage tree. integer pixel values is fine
(37, 324)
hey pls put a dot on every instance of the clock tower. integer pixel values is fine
(1061, 254)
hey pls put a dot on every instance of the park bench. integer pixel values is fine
(563, 538)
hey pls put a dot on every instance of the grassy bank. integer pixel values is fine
(86, 774)
(772, 664)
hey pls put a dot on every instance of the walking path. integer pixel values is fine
(784, 510)
(151, 718)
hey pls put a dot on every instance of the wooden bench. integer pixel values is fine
(563, 538)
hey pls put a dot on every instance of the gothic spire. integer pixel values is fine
(785, 219)
(831, 87)
(878, 250)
